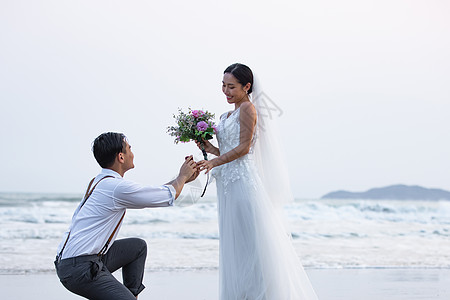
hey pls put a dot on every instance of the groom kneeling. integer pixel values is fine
(89, 253)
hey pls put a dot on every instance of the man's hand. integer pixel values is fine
(188, 169)
(196, 172)
(188, 172)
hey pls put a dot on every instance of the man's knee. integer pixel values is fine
(140, 244)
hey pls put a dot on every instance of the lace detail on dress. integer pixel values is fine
(257, 260)
(228, 136)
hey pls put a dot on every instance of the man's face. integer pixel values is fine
(128, 157)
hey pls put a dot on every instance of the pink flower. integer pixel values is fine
(202, 126)
(215, 129)
(197, 113)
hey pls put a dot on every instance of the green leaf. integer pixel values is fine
(184, 138)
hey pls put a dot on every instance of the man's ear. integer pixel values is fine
(120, 158)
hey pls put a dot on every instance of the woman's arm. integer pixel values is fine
(247, 119)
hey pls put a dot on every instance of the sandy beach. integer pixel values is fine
(330, 284)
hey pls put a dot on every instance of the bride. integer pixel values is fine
(257, 259)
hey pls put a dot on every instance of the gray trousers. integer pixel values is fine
(90, 275)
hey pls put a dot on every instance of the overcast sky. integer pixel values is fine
(364, 86)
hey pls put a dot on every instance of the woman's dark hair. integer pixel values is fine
(242, 73)
(106, 147)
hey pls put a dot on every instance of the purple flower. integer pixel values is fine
(202, 126)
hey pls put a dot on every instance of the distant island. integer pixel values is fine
(393, 192)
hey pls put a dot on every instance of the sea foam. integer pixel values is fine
(325, 233)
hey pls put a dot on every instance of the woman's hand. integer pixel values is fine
(206, 165)
(209, 148)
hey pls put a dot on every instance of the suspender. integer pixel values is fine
(103, 251)
(86, 196)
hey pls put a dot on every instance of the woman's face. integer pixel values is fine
(233, 90)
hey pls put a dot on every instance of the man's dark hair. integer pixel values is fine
(106, 147)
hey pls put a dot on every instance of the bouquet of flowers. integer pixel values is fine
(195, 125)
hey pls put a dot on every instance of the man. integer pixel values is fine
(89, 253)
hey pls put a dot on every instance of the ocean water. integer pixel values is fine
(326, 233)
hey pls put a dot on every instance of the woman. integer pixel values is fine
(257, 260)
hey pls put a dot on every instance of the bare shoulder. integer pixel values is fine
(248, 113)
(248, 108)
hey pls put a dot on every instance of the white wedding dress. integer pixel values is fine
(257, 259)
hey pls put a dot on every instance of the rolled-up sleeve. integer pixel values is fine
(129, 194)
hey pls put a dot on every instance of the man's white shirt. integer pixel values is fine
(93, 224)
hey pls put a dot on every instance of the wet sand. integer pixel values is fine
(330, 284)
